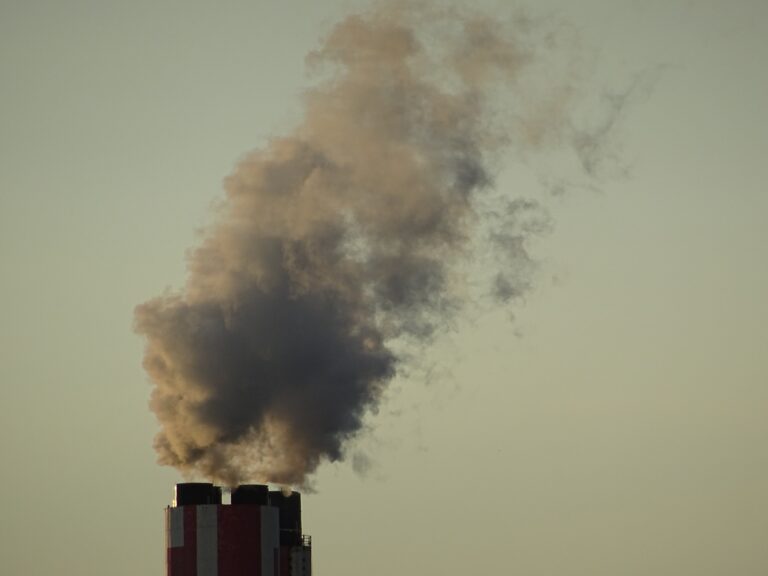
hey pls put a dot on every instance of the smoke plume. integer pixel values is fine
(340, 240)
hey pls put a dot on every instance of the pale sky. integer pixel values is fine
(616, 425)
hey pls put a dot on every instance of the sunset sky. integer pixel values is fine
(611, 421)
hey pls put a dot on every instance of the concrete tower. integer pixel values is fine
(258, 534)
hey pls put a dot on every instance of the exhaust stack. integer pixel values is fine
(257, 534)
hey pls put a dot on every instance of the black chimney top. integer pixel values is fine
(251, 494)
(196, 493)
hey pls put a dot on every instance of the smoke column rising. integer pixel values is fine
(335, 242)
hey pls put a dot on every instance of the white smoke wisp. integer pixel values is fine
(337, 240)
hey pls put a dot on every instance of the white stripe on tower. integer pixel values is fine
(270, 541)
(174, 519)
(207, 540)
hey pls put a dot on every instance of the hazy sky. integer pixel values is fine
(612, 423)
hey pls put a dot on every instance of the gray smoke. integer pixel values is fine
(338, 241)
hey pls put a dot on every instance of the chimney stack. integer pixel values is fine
(258, 534)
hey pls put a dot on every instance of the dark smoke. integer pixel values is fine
(337, 241)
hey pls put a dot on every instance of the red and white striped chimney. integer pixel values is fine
(245, 538)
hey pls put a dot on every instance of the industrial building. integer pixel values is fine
(257, 534)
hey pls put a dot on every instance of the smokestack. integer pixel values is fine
(289, 507)
(253, 494)
(196, 493)
(258, 534)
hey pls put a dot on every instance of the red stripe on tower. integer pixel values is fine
(239, 537)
